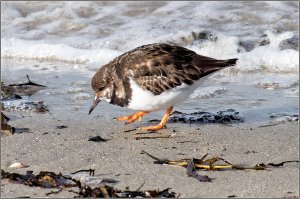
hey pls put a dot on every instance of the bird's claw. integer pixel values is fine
(152, 128)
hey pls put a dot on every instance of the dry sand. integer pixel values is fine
(67, 150)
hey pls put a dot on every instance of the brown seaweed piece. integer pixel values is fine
(9, 130)
(91, 171)
(4, 118)
(61, 127)
(8, 92)
(39, 107)
(198, 163)
(28, 88)
(47, 179)
(191, 171)
(209, 164)
(44, 179)
(5, 127)
(105, 191)
(97, 138)
(154, 137)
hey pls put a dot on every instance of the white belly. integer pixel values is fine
(142, 100)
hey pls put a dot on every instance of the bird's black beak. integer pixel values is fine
(96, 101)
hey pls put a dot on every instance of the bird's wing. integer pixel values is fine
(160, 67)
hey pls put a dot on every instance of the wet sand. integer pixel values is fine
(67, 150)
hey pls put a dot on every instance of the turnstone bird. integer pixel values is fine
(152, 77)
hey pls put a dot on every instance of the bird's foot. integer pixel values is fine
(152, 128)
(132, 118)
(162, 123)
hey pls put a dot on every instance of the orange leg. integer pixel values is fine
(133, 117)
(162, 122)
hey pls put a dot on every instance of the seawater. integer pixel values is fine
(66, 42)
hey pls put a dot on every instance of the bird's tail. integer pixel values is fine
(210, 65)
(231, 62)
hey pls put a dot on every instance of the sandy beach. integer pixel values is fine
(47, 148)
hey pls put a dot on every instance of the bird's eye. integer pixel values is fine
(101, 88)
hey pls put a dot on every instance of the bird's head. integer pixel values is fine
(101, 86)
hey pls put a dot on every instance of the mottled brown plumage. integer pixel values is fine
(154, 67)
(152, 77)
